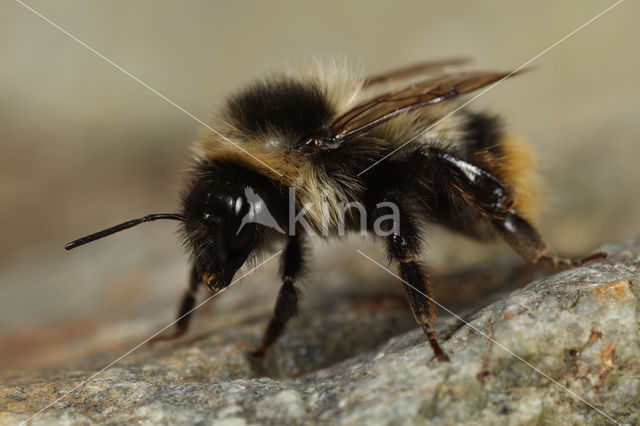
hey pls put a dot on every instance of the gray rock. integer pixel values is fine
(562, 350)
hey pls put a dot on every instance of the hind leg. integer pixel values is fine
(475, 195)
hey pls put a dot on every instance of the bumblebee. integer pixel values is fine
(304, 146)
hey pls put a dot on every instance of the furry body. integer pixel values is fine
(317, 133)
(327, 139)
(270, 117)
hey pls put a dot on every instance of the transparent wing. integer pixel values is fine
(384, 107)
(414, 70)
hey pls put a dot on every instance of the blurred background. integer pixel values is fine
(85, 147)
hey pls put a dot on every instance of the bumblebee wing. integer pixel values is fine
(414, 70)
(382, 108)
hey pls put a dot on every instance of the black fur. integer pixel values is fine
(483, 132)
(294, 109)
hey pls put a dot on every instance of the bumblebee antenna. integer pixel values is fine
(126, 225)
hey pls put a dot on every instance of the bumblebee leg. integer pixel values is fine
(471, 187)
(417, 284)
(287, 303)
(526, 241)
(404, 246)
(184, 314)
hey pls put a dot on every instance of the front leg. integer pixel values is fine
(287, 303)
(185, 313)
(186, 309)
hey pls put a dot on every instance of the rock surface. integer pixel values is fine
(575, 336)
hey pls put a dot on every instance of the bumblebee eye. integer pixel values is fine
(208, 217)
(313, 143)
(320, 142)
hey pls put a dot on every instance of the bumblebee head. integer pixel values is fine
(230, 213)
(217, 232)
(227, 212)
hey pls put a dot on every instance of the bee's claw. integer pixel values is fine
(595, 256)
(256, 356)
(558, 262)
(165, 336)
